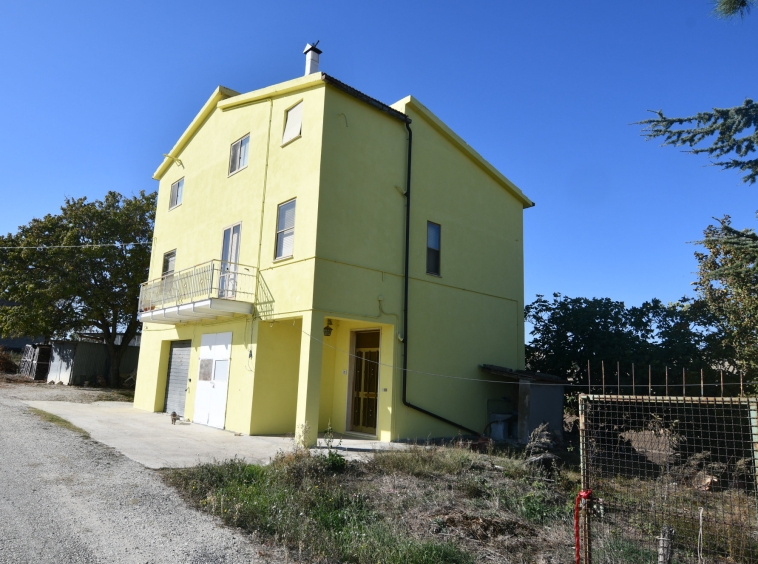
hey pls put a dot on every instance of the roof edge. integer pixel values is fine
(456, 140)
(300, 83)
(220, 93)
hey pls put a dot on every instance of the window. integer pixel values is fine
(433, 248)
(169, 261)
(238, 158)
(293, 123)
(177, 190)
(285, 230)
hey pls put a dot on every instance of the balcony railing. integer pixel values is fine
(213, 279)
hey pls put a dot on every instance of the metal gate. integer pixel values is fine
(178, 372)
(673, 479)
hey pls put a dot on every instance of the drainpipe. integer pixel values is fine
(406, 403)
(263, 207)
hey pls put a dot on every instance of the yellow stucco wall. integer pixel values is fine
(472, 313)
(213, 201)
(277, 359)
(347, 172)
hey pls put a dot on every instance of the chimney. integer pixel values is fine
(311, 58)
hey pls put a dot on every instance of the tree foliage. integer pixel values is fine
(732, 130)
(568, 332)
(731, 8)
(61, 281)
(727, 282)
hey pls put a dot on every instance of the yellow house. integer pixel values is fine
(321, 257)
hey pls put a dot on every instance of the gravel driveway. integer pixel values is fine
(65, 498)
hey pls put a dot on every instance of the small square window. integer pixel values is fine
(293, 123)
(285, 230)
(238, 157)
(433, 236)
(169, 261)
(177, 191)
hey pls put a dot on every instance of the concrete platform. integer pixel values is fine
(151, 439)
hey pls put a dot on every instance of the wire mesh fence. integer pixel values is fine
(673, 479)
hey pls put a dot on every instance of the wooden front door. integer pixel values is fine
(365, 382)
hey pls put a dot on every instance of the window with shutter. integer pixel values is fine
(433, 236)
(238, 156)
(169, 261)
(293, 123)
(285, 230)
(177, 190)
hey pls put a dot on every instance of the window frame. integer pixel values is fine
(284, 125)
(165, 273)
(432, 249)
(279, 232)
(231, 172)
(171, 194)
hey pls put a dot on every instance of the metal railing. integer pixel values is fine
(212, 279)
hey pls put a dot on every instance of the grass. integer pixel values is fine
(427, 504)
(55, 420)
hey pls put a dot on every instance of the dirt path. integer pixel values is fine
(65, 498)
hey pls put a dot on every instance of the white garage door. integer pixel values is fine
(213, 379)
(178, 370)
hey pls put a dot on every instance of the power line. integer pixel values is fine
(392, 366)
(45, 247)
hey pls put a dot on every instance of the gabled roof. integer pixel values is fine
(226, 99)
(220, 93)
(465, 148)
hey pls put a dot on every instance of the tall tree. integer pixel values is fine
(569, 332)
(732, 130)
(729, 129)
(727, 281)
(79, 270)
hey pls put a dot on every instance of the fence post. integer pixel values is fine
(649, 380)
(666, 545)
(667, 381)
(702, 388)
(585, 524)
(602, 369)
(634, 389)
(589, 379)
(618, 378)
(684, 381)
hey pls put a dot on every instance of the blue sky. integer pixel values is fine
(94, 92)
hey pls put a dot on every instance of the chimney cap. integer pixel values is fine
(312, 47)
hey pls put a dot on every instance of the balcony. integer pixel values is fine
(205, 291)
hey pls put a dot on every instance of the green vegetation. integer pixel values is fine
(79, 270)
(55, 420)
(425, 504)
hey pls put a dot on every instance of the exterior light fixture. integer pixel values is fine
(328, 329)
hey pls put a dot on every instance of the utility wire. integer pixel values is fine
(45, 247)
(562, 384)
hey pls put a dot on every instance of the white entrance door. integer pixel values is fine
(213, 379)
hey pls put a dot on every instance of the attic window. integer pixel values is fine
(293, 123)
(238, 157)
(177, 191)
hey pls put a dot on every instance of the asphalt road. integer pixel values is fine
(66, 498)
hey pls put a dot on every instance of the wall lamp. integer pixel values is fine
(328, 328)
